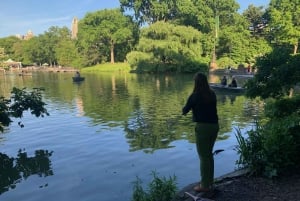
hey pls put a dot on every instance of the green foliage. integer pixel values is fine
(104, 34)
(231, 30)
(160, 189)
(49, 41)
(284, 22)
(224, 62)
(109, 35)
(7, 44)
(150, 11)
(255, 17)
(232, 43)
(199, 14)
(165, 47)
(67, 54)
(33, 51)
(283, 107)
(53, 47)
(135, 57)
(251, 150)
(277, 73)
(236, 42)
(4, 113)
(21, 101)
(282, 144)
(273, 149)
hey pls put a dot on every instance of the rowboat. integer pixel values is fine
(78, 79)
(226, 88)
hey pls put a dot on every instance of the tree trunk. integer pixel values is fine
(291, 92)
(295, 48)
(112, 56)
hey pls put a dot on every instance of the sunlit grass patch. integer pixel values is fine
(108, 67)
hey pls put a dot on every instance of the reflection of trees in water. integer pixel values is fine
(253, 108)
(149, 108)
(142, 133)
(236, 111)
(150, 129)
(13, 170)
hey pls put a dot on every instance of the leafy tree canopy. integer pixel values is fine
(285, 22)
(167, 47)
(19, 102)
(100, 33)
(277, 73)
(6, 44)
(256, 19)
(199, 14)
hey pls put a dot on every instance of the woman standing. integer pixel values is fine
(203, 103)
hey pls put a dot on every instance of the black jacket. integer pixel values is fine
(203, 111)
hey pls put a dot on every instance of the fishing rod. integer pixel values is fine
(197, 198)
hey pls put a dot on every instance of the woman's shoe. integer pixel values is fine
(198, 188)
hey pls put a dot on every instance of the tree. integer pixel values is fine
(198, 14)
(46, 48)
(51, 39)
(19, 102)
(67, 54)
(18, 48)
(7, 45)
(102, 31)
(277, 73)
(33, 51)
(255, 17)
(150, 11)
(168, 47)
(285, 22)
(211, 17)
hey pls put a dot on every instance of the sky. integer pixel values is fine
(20, 16)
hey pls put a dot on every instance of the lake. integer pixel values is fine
(108, 130)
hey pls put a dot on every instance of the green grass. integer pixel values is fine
(108, 67)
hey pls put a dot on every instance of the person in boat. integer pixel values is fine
(77, 74)
(224, 81)
(203, 104)
(233, 82)
(249, 69)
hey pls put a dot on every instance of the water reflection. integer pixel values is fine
(147, 107)
(143, 134)
(135, 119)
(14, 170)
(224, 98)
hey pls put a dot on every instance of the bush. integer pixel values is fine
(135, 57)
(282, 144)
(224, 62)
(160, 189)
(272, 149)
(283, 107)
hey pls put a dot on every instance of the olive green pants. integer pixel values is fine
(206, 135)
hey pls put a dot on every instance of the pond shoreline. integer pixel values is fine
(222, 180)
(240, 186)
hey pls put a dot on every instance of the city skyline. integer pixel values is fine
(17, 17)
